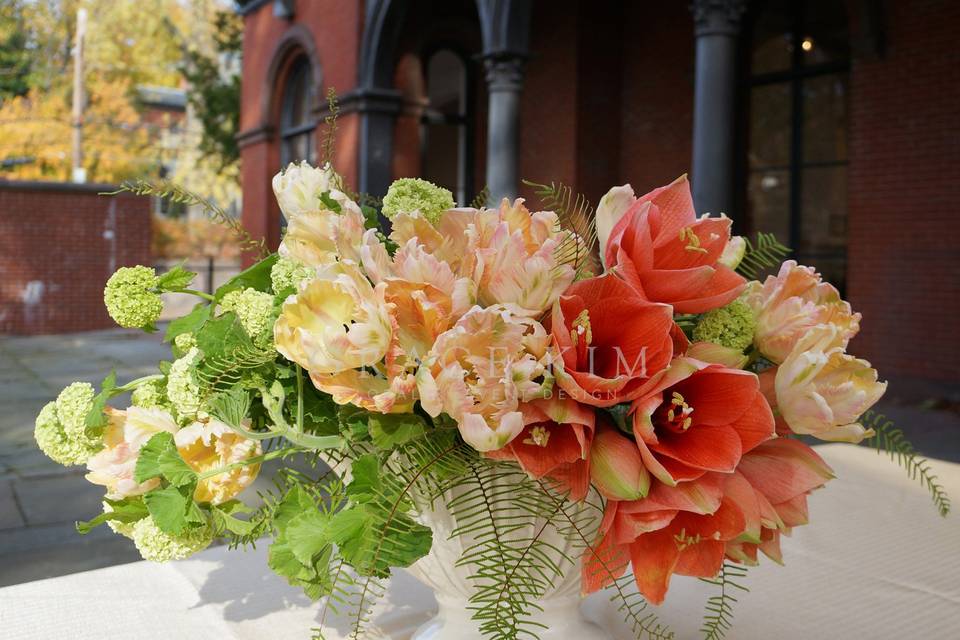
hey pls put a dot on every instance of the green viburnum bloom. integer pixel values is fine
(413, 194)
(183, 384)
(256, 314)
(157, 546)
(287, 273)
(131, 297)
(730, 326)
(56, 444)
(184, 342)
(151, 395)
(73, 405)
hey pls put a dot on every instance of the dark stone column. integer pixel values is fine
(378, 109)
(504, 83)
(717, 26)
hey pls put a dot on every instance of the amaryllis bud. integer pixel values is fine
(616, 468)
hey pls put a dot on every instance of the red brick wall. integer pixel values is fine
(657, 104)
(56, 253)
(335, 27)
(904, 190)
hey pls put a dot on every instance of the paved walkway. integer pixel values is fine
(40, 500)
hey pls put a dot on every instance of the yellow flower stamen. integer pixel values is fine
(539, 436)
(678, 415)
(692, 239)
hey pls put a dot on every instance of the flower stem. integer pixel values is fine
(194, 292)
(133, 384)
(270, 455)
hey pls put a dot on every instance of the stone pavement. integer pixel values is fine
(40, 500)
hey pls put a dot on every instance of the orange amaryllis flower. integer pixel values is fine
(668, 254)
(554, 444)
(699, 417)
(674, 530)
(610, 340)
(616, 467)
(780, 474)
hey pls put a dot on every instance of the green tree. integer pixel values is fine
(14, 54)
(214, 79)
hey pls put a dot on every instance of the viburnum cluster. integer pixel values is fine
(665, 382)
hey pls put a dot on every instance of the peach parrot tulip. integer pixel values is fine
(822, 391)
(790, 304)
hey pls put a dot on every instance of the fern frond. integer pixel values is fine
(177, 193)
(502, 515)
(765, 253)
(575, 216)
(330, 135)
(480, 200)
(219, 372)
(718, 616)
(887, 438)
(582, 528)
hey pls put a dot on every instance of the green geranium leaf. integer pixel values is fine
(96, 420)
(169, 507)
(175, 279)
(173, 468)
(307, 535)
(366, 479)
(232, 523)
(353, 423)
(148, 460)
(388, 430)
(189, 323)
(126, 511)
(222, 335)
(256, 277)
(282, 561)
(329, 202)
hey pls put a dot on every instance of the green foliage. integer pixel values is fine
(96, 419)
(214, 95)
(177, 193)
(480, 200)
(172, 507)
(894, 443)
(718, 618)
(256, 277)
(15, 57)
(766, 252)
(330, 135)
(189, 323)
(126, 511)
(575, 214)
(176, 279)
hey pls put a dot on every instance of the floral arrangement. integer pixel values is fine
(625, 360)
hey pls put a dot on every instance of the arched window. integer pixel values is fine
(446, 123)
(797, 150)
(296, 115)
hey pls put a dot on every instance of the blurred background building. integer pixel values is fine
(834, 124)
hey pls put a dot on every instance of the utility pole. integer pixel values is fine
(79, 174)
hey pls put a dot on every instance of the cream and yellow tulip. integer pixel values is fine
(822, 391)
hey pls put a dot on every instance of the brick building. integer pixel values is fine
(834, 123)
(59, 242)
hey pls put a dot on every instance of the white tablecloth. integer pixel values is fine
(876, 562)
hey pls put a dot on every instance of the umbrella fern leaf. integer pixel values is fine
(887, 438)
(718, 618)
(582, 528)
(177, 193)
(766, 252)
(575, 216)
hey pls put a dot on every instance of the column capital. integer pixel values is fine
(717, 16)
(504, 72)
